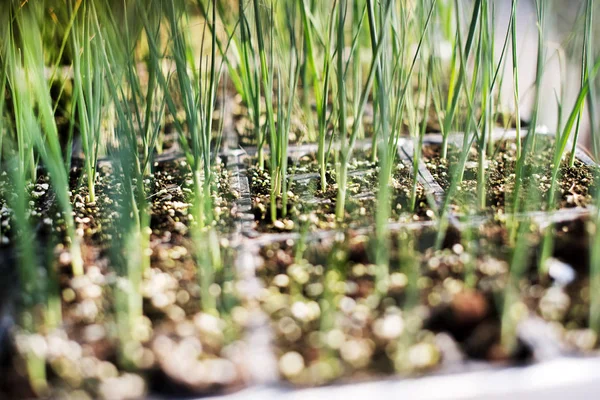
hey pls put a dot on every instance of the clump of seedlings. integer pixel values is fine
(197, 196)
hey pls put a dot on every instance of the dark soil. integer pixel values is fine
(574, 190)
(330, 324)
(310, 207)
(441, 308)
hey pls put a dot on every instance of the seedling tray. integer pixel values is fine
(543, 374)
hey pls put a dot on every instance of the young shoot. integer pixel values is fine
(564, 136)
(38, 309)
(89, 88)
(380, 141)
(591, 100)
(321, 88)
(530, 138)
(515, 73)
(27, 75)
(348, 139)
(487, 58)
(284, 118)
(249, 72)
(586, 58)
(418, 145)
(129, 254)
(198, 90)
(453, 94)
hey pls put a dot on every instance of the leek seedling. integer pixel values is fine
(341, 179)
(28, 77)
(198, 94)
(426, 73)
(400, 46)
(404, 96)
(147, 110)
(284, 122)
(559, 149)
(3, 81)
(308, 70)
(530, 138)
(249, 72)
(131, 236)
(515, 69)
(380, 110)
(383, 195)
(487, 59)
(454, 94)
(208, 250)
(129, 244)
(560, 99)
(276, 143)
(321, 93)
(519, 262)
(199, 98)
(320, 82)
(129, 166)
(585, 70)
(446, 20)
(21, 102)
(485, 142)
(511, 295)
(409, 264)
(419, 143)
(468, 139)
(347, 141)
(153, 113)
(563, 139)
(89, 89)
(207, 253)
(39, 307)
(452, 83)
(64, 20)
(356, 66)
(229, 50)
(279, 139)
(591, 100)
(35, 314)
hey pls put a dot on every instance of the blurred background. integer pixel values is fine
(564, 41)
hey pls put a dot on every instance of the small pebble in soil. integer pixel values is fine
(554, 304)
(357, 352)
(291, 364)
(389, 327)
(423, 355)
(398, 281)
(126, 386)
(281, 280)
(561, 272)
(582, 339)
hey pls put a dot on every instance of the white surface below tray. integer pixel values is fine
(562, 378)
